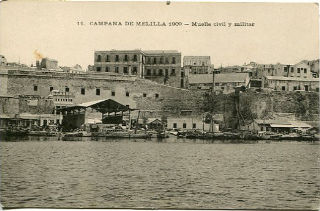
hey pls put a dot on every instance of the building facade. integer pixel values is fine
(224, 83)
(189, 123)
(197, 64)
(128, 62)
(282, 83)
(47, 63)
(163, 66)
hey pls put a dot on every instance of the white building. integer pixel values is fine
(189, 123)
(282, 83)
(225, 83)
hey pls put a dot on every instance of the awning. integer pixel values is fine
(279, 125)
(292, 125)
(103, 106)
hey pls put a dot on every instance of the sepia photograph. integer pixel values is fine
(159, 105)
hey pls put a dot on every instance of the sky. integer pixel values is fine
(283, 32)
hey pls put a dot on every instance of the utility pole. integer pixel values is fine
(213, 79)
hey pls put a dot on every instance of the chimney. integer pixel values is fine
(38, 65)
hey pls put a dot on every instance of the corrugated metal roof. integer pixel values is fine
(87, 104)
(281, 123)
(218, 78)
(283, 78)
(300, 124)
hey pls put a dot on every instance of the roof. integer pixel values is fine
(283, 78)
(196, 60)
(48, 59)
(4, 116)
(88, 104)
(156, 121)
(103, 106)
(218, 78)
(282, 123)
(161, 52)
(119, 51)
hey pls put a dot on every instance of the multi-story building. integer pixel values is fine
(282, 83)
(127, 62)
(314, 67)
(299, 70)
(197, 64)
(163, 66)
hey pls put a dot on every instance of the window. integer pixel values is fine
(154, 72)
(167, 60)
(305, 70)
(67, 89)
(51, 88)
(134, 71)
(117, 58)
(127, 94)
(97, 91)
(108, 58)
(113, 93)
(156, 95)
(194, 125)
(285, 69)
(292, 70)
(125, 70)
(173, 60)
(126, 58)
(144, 95)
(182, 74)
(98, 69)
(35, 88)
(149, 60)
(173, 72)
(154, 60)
(83, 91)
(174, 125)
(317, 89)
(135, 58)
(116, 69)
(99, 58)
(295, 88)
(184, 125)
(148, 72)
(160, 72)
(216, 84)
(298, 70)
(107, 69)
(283, 88)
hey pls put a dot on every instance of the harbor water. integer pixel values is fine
(174, 173)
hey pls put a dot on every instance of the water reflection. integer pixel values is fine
(171, 173)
